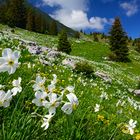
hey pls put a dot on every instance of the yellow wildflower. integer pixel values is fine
(138, 136)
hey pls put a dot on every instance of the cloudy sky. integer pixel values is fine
(94, 15)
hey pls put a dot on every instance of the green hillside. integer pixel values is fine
(106, 101)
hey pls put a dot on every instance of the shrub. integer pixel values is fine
(84, 68)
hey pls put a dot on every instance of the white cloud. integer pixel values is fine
(131, 8)
(68, 4)
(73, 13)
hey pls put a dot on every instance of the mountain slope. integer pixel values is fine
(106, 110)
(20, 13)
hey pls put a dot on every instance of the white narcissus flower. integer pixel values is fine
(97, 108)
(5, 98)
(53, 103)
(17, 88)
(9, 61)
(46, 119)
(54, 81)
(70, 89)
(29, 65)
(39, 85)
(69, 106)
(40, 98)
(104, 96)
(52, 86)
(131, 126)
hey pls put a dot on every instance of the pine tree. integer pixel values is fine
(37, 22)
(3, 9)
(16, 13)
(95, 37)
(118, 42)
(53, 28)
(77, 35)
(30, 20)
(63, 44)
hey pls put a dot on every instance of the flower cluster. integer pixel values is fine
(9, 63)
(6, 97)
(47, 97)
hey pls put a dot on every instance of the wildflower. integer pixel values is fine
(97, 108)
(53, 103)
(100, 118)
(40, 98)
(46, 119)
(138, 136)
(70, 89)
(131, 126)
(106, 122)
(9, 61)
(104, 96)
(39, 85)
(17, 88)
(5, 98)
(69, 106)
(51, 87)
(29, 65)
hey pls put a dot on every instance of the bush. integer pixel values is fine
(85, 68)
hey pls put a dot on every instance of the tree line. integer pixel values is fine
(18, 13)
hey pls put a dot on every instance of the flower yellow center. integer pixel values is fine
(11, 62)
(41, 100)
(41, 85)
(54, 104)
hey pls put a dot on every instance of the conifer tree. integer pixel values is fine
(53, 28)
(63, 44)
(16, 13)
(37, 22)
(30, 20)
(95, 37)
(118, 42)
(3, 9)
(77, 35)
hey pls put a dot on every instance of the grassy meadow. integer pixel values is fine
(104, 109)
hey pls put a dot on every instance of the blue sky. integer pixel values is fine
(94, 15)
